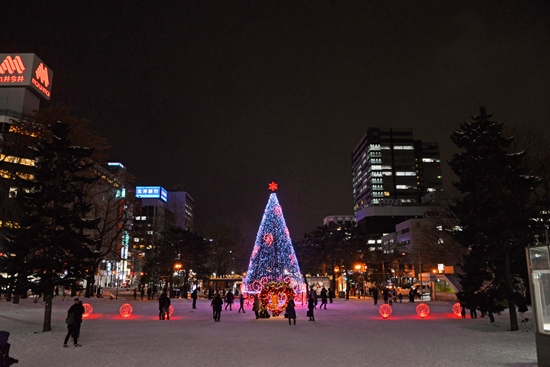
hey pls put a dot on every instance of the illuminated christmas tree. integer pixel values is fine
(273, 260)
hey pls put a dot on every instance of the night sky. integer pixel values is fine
(220, 98)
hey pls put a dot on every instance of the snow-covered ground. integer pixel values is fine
(349, 333)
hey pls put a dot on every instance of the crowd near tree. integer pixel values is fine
(54, 232)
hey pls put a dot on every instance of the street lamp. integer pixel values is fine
(361, 268)
(177, 269)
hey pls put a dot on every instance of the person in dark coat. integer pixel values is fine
(5, 359)
(330, 295)
(74, 321)
(310, 306)
(291, 310)
(164, 307)
(375, 295)
(216, 305)
(386, 295)
(522, 306)
(313, 294)
(194, 298)
(323, 298)
(229, 297)
(241, 303)
(257, 306)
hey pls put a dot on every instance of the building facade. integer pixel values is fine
(390, 168)
(182, 205)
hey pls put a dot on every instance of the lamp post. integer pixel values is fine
(360, 268)
(177, 268)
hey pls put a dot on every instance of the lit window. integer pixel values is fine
(405, 173)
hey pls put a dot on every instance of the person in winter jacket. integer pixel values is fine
(164, 307)
(241, 303)
(311, 302)
(323, 298)
(229, 298)
(216, 305)
(5, 359)
(194, 298)
(291, 311)
(74, 321)
(257, 306)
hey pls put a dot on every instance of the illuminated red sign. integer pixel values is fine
(25, 70)
(42, 80)
(12, 65)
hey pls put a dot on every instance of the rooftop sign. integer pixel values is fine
(26, 70)
(151, 192)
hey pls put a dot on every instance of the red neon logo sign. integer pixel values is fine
(12, 65)
(42, 74)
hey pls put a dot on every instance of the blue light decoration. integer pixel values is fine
(273, 258)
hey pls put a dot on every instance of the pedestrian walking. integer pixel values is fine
(375, 296)
(313, 294)
(74, 321)
(256, 307)
(142, 291)
(229, 297)
(330, 295)
(216, 305)
(310, 308)
(5, 359)
(472, 306)
(194, 298)
(241, 302)
(400, 297)
(149, 292)
(522, 306)
(164, 307)
(135, 293)
(323, 298)
(291, 310)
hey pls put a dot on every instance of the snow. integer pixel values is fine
(349, 333)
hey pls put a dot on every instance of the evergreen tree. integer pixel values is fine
(182, 246)
(51, 243)
(493, 211)
(273, 258)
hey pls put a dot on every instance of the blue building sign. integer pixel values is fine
(151, 192)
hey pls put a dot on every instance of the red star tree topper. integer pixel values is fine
(273, 186)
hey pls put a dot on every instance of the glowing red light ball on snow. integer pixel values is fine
(422, 310)
(88, 309)
(385, 310)
(126, 310)
(457, 310)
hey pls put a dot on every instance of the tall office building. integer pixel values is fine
(25, 81)
(182, 205)
(390, 168)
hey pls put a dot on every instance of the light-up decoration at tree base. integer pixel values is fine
(385, 310)
(126, 310)
(422, 310)
(170, 310)
(88, 309)
(273, 260)
(457, 310)
(275, 296)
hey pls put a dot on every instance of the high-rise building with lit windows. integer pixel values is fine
(390, 168)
